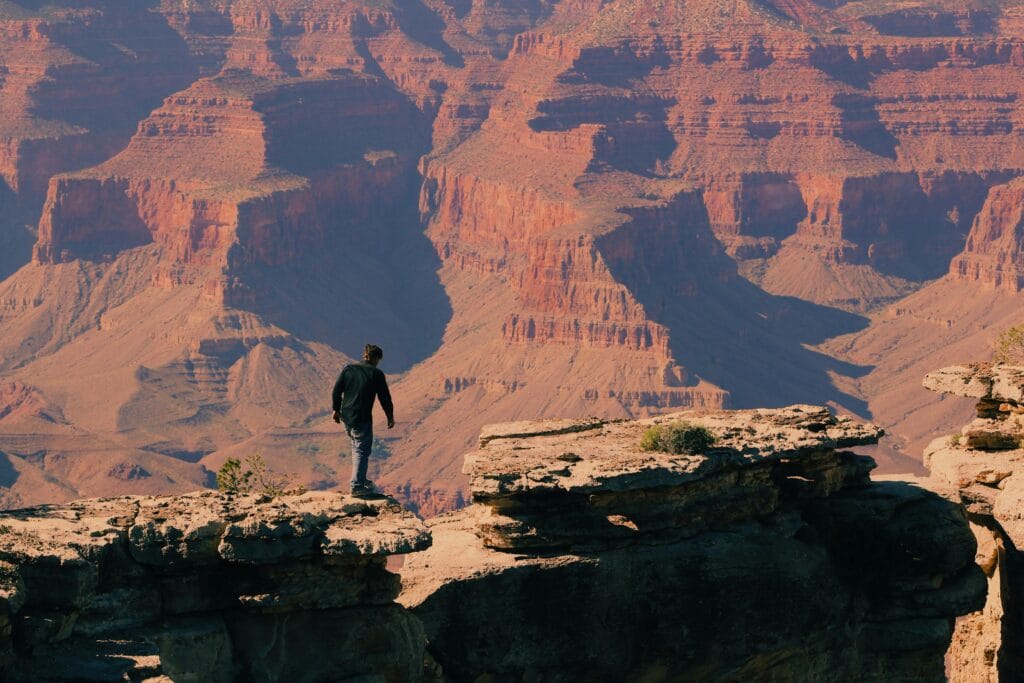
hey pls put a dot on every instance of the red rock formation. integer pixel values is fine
(242, 201)
(622, 199)
(74, 81)
(994, 255)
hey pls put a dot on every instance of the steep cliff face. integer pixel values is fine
(768, 557)
(254, 195)
(981, 467)
(845, 118)
(75, 81)
(840, 156)
(993, 255)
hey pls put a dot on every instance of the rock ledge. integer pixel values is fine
(587, 483)
(771, 556)
(982, 467)
(203, 586)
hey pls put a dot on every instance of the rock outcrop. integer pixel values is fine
(206, 587)
(994, 254)
(770, 556)
(983, 467)
(767, 556)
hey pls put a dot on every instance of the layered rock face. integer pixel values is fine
(74, 82)
(206, 587)
(983, 467)
(280, 161)
(770, 556)
(671, 178)
(994, 254)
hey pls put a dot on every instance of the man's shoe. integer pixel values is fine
(365, 489)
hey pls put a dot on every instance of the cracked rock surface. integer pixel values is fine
(207, 586)
(769, 556)
(982, 466)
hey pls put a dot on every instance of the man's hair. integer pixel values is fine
(372, 352)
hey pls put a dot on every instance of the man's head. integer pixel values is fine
(372, 354)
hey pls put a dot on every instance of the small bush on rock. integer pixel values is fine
(231, 478)
(1009, 347)
(257, 477)
(677, 437)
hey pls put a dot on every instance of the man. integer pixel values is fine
(352, 400)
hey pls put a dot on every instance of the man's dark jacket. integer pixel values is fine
(355, 390)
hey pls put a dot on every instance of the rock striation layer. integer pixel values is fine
(983, 467)
(994, 254)
(769, 556)
(205, 587)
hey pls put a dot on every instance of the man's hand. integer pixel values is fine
(337, 417)
(391, 422)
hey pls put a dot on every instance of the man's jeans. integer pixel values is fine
(361, 434)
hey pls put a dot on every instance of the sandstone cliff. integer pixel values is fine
(981, 466)
(207, 588)
(74, 81)
(769, 557)
(995, 245)
(671, 179)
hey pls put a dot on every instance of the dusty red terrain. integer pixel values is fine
(537, 209)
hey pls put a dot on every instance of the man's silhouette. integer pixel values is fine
(357, 386)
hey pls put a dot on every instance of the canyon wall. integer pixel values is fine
(993, 254)
(723, 160)
(536, 208)
(979, 466)
(75, 81)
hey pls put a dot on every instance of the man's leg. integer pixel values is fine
(362, 441)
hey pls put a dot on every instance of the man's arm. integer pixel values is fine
(384, 395)
(339, 388)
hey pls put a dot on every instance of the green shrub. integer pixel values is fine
(257, 477)
(232, 479)
(677, 437)
(1009, 346)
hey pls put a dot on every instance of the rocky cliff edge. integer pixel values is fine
(206, 587)
(767, 555)
(982, 466)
